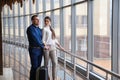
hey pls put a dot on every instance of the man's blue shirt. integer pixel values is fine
(34, 35)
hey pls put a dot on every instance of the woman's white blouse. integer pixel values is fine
(47, 35)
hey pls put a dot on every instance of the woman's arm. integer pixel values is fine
(58, 44)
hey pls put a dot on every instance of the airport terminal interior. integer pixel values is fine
(89, 31)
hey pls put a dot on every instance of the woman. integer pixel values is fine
(49, 39)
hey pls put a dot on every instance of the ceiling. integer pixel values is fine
(10, 2)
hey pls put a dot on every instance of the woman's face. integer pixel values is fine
(47, 22)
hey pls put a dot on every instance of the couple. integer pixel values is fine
(42, 42)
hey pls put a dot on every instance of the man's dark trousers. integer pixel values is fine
(36, 46)
(36, 58)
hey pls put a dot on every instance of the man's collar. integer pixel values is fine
(35, 26)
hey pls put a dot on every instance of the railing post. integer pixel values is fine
(88, 71)
(106, 76)
(1, 60)
(65, 67)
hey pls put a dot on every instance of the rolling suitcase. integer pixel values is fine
(42, 73)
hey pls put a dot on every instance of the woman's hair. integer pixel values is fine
(52, 30)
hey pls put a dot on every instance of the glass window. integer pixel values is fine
(79, 0)
(41, 20)
(11, 27)
(16, 26)
(67, 30)
(56, 3)
(78, 21)
(28, 20)
(5, 20)
(66, 2)
(21, 10)
(10, 22)
(56, 20)
(48, 14)
(22, 27)
(10, 12)
(33, 8)
(5, 10)
(27, 6)
(102, 34)
(84, 20)
(70, 45)
(57, 24)
(40, 5)
(82, 45)
(16, 9)
(7, 55)
(3, 28)
(102, 16)
(47, 3)
(81, 33)
(6, 27)
(21, 22)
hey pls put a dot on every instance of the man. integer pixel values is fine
(34, 34)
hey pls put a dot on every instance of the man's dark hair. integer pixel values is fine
(34, 16)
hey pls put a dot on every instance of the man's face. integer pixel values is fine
(35, 21)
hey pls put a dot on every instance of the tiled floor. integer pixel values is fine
(7, 74)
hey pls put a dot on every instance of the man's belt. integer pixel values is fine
(35, 47)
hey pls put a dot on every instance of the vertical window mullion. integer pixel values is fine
(61, 24)
(62, 35)
(90, 41)
(30, 10)
(52, 12)
(9, 33)
(25, 40)
(14, 39)
(44, 8)
(119, 39)
(115, 37)
(19, 40)
(73, 35)
(4, 35)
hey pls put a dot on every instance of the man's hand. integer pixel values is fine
(46, 47)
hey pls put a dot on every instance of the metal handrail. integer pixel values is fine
(74, 55)
(91, 63)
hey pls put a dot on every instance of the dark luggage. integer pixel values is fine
(42, 73)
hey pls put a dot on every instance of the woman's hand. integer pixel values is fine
(62, 49)
(46, 47)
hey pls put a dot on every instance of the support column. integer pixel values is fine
(1, 60)
(115, 37)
